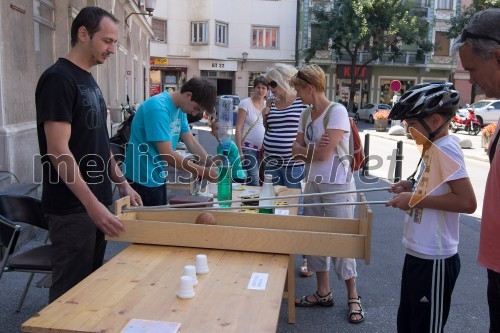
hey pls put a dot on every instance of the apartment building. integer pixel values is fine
(228, 41)
(34, 33)
(373, 85)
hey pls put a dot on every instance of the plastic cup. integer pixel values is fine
(190, 270)
(186, 287)
(212, 188)
(201, 264)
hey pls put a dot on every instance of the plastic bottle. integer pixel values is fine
(225, 119)
(267, 191)
(224, 181)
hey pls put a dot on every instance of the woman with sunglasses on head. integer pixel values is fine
(281, 120)
(249, 132)
(323, 128)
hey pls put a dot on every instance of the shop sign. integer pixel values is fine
(154, 89)
(156, 61)
(344, 72)
(218, 65)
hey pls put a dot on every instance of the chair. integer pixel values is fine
(24, 209)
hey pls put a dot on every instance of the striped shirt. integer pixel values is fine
(281, 133)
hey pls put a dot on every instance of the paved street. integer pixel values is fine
(378, 283)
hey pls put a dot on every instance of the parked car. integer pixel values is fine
(367, 111)
(487, 111)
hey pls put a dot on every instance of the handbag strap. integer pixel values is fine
(250, 128)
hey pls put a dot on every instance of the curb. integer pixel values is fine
(409, 141)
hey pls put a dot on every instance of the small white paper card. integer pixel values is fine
(150, 326)
(279, 211)
(258, 281)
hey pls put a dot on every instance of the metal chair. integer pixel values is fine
(24, 209)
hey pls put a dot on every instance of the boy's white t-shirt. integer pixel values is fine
(434, 233)
(256, 135)
(331, 171)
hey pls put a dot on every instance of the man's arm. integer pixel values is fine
(61, 157)
(179, 162)
(194, 147)
(121, 182)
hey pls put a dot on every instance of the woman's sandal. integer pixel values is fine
(326, 300)
(305, 272)
(353, 313)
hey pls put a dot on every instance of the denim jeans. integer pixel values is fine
(289, 176)
(251, 166)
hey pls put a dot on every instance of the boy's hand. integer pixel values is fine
(402, 186)
(400, 201)
(211, 174)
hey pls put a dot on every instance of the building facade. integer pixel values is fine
(34, 33)
(373, 85)
(228, 41)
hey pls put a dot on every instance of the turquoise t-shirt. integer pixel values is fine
(237, 171)
(156, 120)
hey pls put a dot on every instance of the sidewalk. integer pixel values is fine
(476, 152)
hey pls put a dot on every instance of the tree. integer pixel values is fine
(459, 21)
(375, 27)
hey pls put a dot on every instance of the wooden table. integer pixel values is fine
(141, 282)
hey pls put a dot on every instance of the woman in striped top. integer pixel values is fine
(282, 115)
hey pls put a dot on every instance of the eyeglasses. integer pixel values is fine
(273, 84)
(469, 35)
(310, 131)
(301, 76)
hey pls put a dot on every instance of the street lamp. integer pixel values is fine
(244, 55)
(149, 7)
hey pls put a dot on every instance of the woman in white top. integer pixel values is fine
(249, 132)
(326, 173)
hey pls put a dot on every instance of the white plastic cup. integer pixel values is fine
(201, 264)
(190, 270)
(186, 289)
(212, 188)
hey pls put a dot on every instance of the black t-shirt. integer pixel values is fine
(67, 93)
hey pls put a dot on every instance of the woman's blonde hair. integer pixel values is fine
(312, 75)
(282, 74)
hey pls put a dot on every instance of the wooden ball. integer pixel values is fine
(206, 218)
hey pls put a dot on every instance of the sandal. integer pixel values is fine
(326, 300)
(355, 312)
(305, 272)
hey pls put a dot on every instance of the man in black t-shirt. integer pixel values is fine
(77, 163)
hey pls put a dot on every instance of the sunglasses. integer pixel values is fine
(273, 84)
(469, 35)
(302, 77)
(310, 131)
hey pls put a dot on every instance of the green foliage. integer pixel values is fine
(459, 21)
(371, 26)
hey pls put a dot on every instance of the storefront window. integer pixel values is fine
(387, 95)
(43, 12)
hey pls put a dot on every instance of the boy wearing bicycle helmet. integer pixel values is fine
(432, 263)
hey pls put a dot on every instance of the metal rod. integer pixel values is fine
(165, 208)
(258, 199)
(367, 155)
(399, 162)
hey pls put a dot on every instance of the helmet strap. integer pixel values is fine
(432, 134)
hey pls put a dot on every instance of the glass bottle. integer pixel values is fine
(224, 181)
(267, 191)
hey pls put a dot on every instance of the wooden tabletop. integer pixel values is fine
(141, 283)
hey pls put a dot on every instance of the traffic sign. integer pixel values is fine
(395, 85)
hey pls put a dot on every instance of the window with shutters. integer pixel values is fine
(160, 29)
(221, 33)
